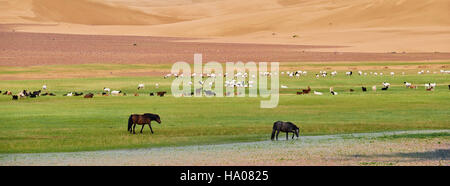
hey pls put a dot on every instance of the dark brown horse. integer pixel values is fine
(304, 91)
(142, 120)
(161, 94)
(90, 95)
(284, 127)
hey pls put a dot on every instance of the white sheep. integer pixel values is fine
(140, 86)
(116, 92)
(407, 84)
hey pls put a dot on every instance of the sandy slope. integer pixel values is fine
(366, 25)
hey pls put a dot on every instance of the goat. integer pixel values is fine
(333, 92)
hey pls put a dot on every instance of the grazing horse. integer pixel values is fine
(161, 94)
(142, 120)
(90, 95)
(284, 127)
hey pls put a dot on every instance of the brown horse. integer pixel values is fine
(142, 120)
(90, 95)
(161, 94)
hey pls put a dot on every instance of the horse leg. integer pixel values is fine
(134, 127)
(293, 134)
(142, 128)
(287, 136)
(150, 128)
(277, 134)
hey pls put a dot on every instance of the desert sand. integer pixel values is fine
(361, 25)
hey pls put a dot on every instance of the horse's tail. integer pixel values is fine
(130, 122)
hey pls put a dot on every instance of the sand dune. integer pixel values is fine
(364, 25)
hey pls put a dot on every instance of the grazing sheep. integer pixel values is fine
(284, 86)
(386, 85)
(449, 87)
(106, 89)
(392, 73)
(433, 85)
(44, 87)
(116, 92)
(349, 73)
(141, 86)
(68, 94)
(152, 94)
(318, 93)
(407, 84)
(15, 97)
(364, 89)
(351, 90)
(210, 93)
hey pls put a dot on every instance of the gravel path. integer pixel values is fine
(345, 149)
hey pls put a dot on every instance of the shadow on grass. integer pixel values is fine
(439, 154)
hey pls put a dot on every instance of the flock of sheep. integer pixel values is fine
(237, 81)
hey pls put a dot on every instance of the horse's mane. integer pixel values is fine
(150, 115)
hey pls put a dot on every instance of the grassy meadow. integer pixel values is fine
(65, 124)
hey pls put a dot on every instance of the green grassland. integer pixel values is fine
(63, 124)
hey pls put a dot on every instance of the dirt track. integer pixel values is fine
(29, 49)
(351, 149)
